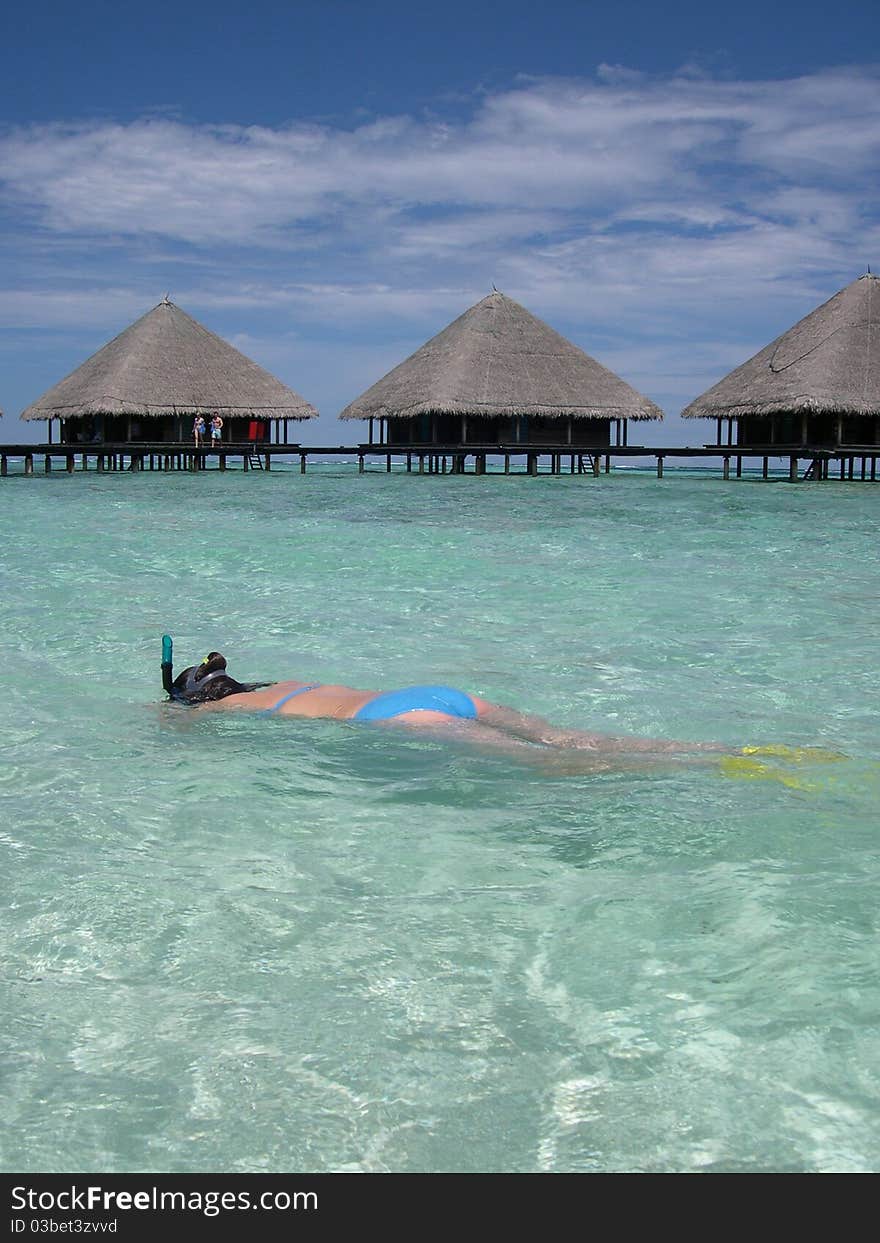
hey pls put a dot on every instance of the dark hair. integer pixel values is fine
(202, 683)
(205, 682)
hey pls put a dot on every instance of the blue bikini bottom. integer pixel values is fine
(444, 699)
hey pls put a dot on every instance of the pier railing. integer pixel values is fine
(803, 461)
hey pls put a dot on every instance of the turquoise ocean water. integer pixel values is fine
(239, 944)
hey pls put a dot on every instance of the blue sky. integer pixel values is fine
(328, 184)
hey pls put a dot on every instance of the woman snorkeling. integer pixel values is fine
(439, 708)
(450, 712)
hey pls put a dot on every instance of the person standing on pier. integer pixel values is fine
(199, 430)
(216, 430)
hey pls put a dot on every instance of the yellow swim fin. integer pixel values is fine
(743, 768)
(796, 755)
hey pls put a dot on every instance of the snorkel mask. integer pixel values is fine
(200, 683)
(193, 684)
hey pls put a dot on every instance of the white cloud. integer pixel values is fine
(634, 213)
(560, 147)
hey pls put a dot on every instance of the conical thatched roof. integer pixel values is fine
(167, 363)
(499, 359)
(829, 362)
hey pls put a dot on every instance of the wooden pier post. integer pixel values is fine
(659, 465)
(388, 463)
(360, 463)
(268, 462)
(507, 463)
(4, 465)
(765, 467)
(725, 467)
(221, 461)
(792, 469)
(47, 465)
(70, 463)
(245, 462)
(409, 463)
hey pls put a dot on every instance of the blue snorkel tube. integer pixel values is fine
(167, 671)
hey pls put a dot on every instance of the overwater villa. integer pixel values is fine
(499, 375)
(817, 385)
(147, 384)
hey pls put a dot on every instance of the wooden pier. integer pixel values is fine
(848, 462)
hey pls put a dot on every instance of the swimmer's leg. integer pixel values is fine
(475, 733)
(535, 729)
(550, 759)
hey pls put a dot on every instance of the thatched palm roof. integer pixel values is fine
(499, 359)
(829, 362)
(168, 363)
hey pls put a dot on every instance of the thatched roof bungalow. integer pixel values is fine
(497, 375)
(818, 384)
(149, 382)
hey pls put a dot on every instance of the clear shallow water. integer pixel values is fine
(242, 944)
